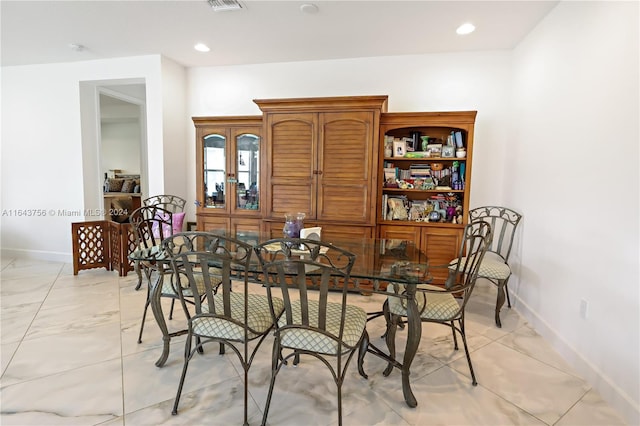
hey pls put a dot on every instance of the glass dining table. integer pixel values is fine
(381, 264)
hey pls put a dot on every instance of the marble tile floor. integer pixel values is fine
(70, 357)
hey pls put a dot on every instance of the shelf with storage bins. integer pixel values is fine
(424, 191)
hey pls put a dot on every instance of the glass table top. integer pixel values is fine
(389, 260)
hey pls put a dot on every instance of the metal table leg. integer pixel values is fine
(156, 308)
(414, 333)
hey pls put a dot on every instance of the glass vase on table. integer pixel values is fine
(293, 223)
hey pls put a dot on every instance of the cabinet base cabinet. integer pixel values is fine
(440, 244)
(213, 223)
(409, 233)
(330, 232)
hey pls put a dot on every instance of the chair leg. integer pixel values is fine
(506, 291)
(187, 357)
(275, 367)
(136, 268)
(340, 404)
(463, 334)
(455, 338)
(173, 302)
(362, 351)
(245, 366)
(144, 313)
(499, 302)
(392, 325)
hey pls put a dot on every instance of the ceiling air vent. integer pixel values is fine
(222, 5)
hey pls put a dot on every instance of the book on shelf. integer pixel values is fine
(420, 170)
(383, 212)
(404, 174)
(458, 138)
(390, 173)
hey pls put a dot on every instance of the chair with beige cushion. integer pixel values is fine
(205, 275)
(175, 206)
(495, 266)
(443, 305)
(302, 272)
(151, 225)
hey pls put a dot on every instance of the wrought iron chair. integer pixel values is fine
(312, 325)
(495, 266)
(204, 273)
(151, 225)
(174, 205)
(443, 305)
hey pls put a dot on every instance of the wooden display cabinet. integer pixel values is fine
(321, 159)
(439, 239)
(228, 164)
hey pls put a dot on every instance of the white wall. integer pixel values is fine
(42, 153)
(572, 168)
(175, 125)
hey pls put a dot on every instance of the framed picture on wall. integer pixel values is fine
(399, 148)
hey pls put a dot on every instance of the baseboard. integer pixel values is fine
(619, 400)
(50, 256)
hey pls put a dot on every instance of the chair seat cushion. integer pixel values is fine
(168, 290)
(439, 306)
(305, 339)
(258, 319)
(492, 267)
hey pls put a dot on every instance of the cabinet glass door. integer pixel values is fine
(247, 174)
(215, 170)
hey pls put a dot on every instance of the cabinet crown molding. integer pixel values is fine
(326, 103)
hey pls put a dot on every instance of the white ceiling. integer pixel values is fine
(36, 32)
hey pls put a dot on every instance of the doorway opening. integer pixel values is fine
(114, 141)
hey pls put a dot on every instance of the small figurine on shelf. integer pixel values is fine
(398, 210)
(425, 142)
(451, 213)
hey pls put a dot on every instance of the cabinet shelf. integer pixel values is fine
(420, 223)
(431, 191)
(425, 159)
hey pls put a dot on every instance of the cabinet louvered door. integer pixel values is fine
(292, 158)
(441, 246)
(345, 181)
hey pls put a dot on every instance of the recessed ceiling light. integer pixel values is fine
(77, 47)
(224, 5)
(309, 8)
(466, 28)
(201, 47)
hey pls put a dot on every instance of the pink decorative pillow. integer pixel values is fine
(177, 222)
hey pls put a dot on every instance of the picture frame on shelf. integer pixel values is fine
(434, 149)
(399, 148)
(448, 151)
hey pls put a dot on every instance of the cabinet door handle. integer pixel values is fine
(319, 172)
